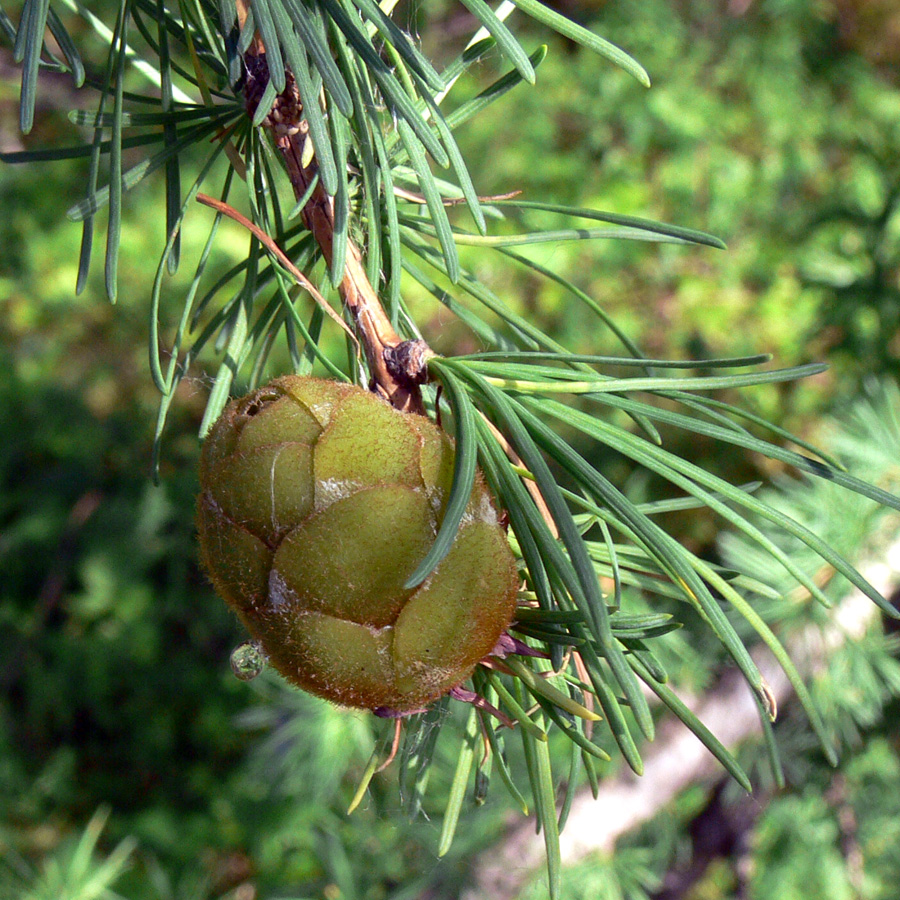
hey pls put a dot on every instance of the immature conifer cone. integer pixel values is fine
(318, 502)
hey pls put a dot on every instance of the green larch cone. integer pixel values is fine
(318, 502)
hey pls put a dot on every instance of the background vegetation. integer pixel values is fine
(130, 756)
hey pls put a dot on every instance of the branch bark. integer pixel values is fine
(676, 759)
(397, 366)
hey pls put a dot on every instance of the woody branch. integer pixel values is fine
(397, 366)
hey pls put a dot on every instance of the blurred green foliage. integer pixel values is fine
(770, 123)
(763, 127)
(800, 837)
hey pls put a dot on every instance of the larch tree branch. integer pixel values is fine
(397, 366)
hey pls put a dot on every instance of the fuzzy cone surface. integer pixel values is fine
(318, 502)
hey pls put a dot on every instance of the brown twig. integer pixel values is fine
(243, 7)
(395, 746)
(379, 338)
(276, 251)
(530, 485)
